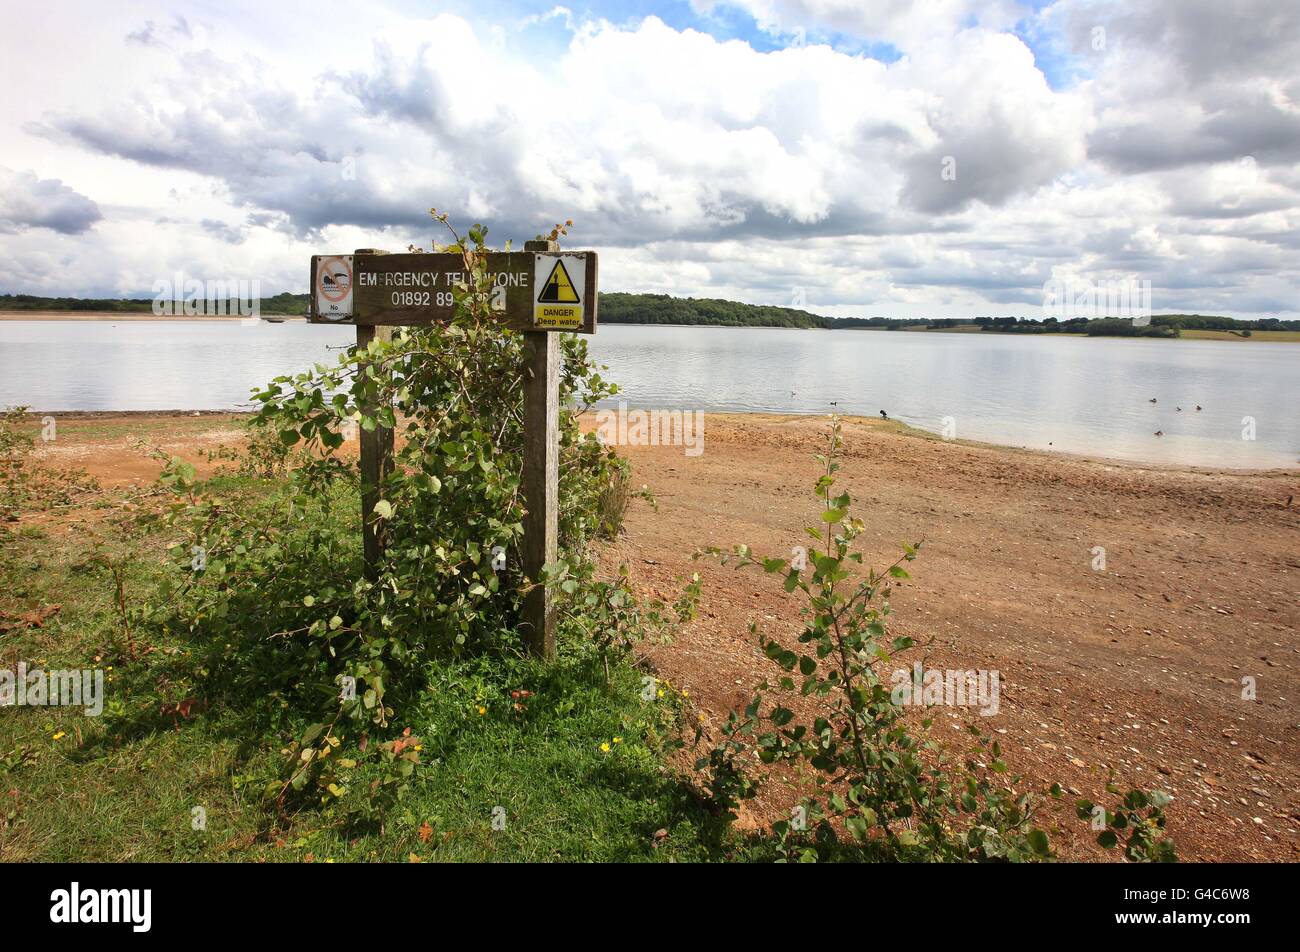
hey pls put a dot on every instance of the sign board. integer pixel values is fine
(532, 291)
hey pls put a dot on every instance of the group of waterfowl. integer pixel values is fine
(1179, 409)
(883, 414)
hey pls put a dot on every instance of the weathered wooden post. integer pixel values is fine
(376, 464)
(541, 476)
(541, 292)
(376, 453)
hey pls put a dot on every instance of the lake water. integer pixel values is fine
(1068, 394)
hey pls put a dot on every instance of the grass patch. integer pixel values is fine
(520, 760)
(1199, 334)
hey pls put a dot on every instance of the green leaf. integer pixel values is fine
(312, 732)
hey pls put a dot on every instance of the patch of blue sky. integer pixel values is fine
(1060, 66)
(547, 28)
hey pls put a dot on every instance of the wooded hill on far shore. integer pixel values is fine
(621, 308)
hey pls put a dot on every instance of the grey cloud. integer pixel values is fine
(1240, 124)
(1198, 206)
(1191, 82)
(265, 162)
(1207, 40)
(991, 276)
(1022, 302)
(27, 201)
(152, 35)
(230, 234)
(147, 35)
(1287, 238)
(989, 168)
(415, 95)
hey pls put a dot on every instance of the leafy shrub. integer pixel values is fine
(884, 790)
(26, 483)
(265, 455)
(15, 447)
(286, 619)
(1141, 816)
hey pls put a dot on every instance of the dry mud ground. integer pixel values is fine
(1135, 670)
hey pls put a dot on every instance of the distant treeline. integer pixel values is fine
(287, 304)
(620, 308)
(1161, 325)
(1093, 327)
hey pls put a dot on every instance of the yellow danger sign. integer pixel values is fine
(559, 280)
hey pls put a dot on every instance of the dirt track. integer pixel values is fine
(1136, 669)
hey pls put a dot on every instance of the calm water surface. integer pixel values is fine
(1070, 394)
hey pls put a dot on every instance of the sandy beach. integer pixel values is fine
(1133, 671)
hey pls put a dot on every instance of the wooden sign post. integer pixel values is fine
(541, 474)
(539, 291)
(376, 458)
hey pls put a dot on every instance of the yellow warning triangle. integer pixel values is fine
(558, 289)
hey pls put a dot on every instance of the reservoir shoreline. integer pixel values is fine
(1208, 405)
(151, 418)
(1263, 337)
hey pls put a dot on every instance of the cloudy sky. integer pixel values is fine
(894, 157)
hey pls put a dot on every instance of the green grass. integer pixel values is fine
(1186, 334)
(123, 786)
(1196, 334)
